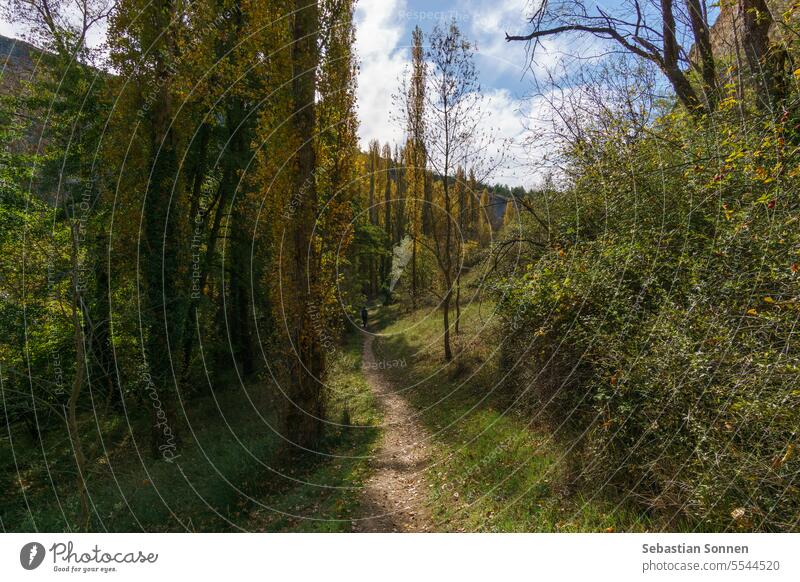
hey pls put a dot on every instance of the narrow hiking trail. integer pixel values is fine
(393, 498)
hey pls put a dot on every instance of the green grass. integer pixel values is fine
(131, 491)
(492, 470)
(329, 499)
(227, 478)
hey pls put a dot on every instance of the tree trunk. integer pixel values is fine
(414, 272)
(162, 300)
(447, 264)
(304, 420)
(448, 354)
(458, 301)
(98, 316)
(702, 38)
(766, 63)
(240, 286)
(386, 259)
(77, 386)
(400, 205)
(683, 88)
(427, 218)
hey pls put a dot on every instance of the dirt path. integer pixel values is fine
(393, 499)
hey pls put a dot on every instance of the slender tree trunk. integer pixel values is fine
(303, 423)
(386, 259)
(416, 217)
(373, 216)
(241, 238)
(191, 321)
(414, 272)
(458, 301)
(427, 222)
(670, 65)
(447, 264)
(400, 206)
(448, 354)
(77, 387)
(240, 295)
(98, 315)
(702, 37)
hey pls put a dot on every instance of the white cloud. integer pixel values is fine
(379, 28)
(505, 116)
(488, 23)
(20, 30)
(10, 30)
(383, 55)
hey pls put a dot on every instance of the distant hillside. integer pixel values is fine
(15, 50)
(16, 62)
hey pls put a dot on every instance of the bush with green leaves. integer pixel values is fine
(660, 327)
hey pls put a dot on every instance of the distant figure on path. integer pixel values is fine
(364, 315)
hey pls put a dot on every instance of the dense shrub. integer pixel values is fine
(661, 326)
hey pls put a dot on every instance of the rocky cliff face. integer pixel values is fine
(726, 31)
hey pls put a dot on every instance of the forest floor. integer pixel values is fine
(234, 472)
(394, 496)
